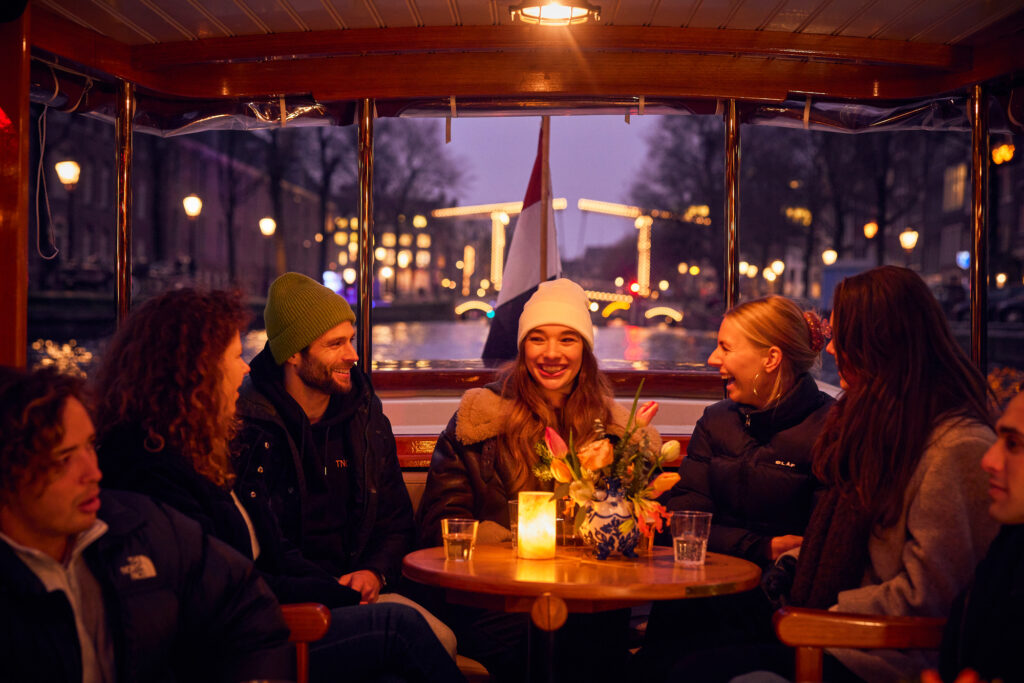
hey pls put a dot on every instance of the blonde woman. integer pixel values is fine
(749, 459)
(749, 464)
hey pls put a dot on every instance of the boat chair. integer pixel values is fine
(810, 631)
(308, 622)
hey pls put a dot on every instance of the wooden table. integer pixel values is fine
(574, 581)
(497, 579)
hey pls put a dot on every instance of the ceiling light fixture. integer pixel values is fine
(563, 13)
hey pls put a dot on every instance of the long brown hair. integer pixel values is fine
(162, 374)
(906, 374)
(531, 412)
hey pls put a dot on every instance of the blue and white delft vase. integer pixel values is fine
(601, 527)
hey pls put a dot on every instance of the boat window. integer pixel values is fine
(640, 227)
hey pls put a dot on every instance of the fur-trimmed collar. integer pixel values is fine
(483, 414)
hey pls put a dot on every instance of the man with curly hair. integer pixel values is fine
(104, 586)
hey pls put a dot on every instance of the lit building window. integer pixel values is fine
(954, 187)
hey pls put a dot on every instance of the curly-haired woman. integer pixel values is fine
(167, 390)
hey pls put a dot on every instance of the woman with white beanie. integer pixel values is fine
(485, 456)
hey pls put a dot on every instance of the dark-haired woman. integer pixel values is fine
(904, 521)
(167, 391)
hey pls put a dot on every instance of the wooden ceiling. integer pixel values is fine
(350, 49)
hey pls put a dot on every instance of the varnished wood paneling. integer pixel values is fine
(526, 38)
(543, 73)
(700, 384)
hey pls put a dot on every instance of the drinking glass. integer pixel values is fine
(513, 520)
(690, 530)
(459, 538)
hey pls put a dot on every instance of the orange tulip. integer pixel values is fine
(663, 482)
(561, 472)
(596, 454)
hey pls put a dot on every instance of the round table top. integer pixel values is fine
(576, 575)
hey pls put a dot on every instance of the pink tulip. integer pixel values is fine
(663, 482)
(646, 413)
(596, 454)
(555, 444)
(561, 472)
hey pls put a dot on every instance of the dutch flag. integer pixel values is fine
(522, 266)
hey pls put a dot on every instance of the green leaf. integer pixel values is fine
(581, 514)
(561, 491)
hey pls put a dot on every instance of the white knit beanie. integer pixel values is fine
(558, 302)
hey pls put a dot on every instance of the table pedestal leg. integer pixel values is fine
(548, 615)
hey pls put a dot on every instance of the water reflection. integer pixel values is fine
(452, 344)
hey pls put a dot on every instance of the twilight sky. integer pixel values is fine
(596, 157)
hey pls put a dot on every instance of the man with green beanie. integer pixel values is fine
(315, 442)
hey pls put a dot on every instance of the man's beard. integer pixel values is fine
(316, 375)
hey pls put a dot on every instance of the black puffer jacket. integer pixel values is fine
(181, 606)
(274, 460)
(171, 479)
(752, 469)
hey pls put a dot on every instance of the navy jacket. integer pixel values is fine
(202, 616)
(752, 470)
(170, 478)
(274, 461)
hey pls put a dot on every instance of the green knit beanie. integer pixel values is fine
(298, 311)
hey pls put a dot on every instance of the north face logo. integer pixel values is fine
(139, 567)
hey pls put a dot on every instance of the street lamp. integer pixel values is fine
(193, 206)
(268, 226)
(870, 229)
(778, 266)
(829, 256)
(68, 173)
(908, 240)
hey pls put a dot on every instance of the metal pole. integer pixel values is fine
(545, 193)
(365, 234)
(123, 164)
(978, 113)
(732, 206)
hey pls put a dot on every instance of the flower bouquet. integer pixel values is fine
(614, 482)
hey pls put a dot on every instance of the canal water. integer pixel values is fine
(458, 344)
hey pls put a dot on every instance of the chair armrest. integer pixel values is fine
(802, 627)
(307, 621)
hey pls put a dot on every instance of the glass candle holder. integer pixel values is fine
(536, 525)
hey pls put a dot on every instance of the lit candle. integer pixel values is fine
(536, 525)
